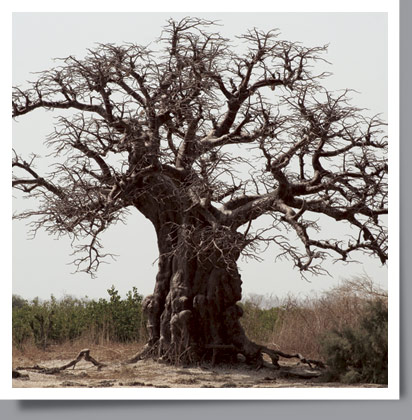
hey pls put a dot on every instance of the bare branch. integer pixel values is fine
(178, 131)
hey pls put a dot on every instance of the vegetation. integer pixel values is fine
(57, 321)
(346, 327)
(360, 354)
(259, 322)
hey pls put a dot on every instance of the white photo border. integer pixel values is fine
(391, 7)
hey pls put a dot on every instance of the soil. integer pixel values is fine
(149, 373)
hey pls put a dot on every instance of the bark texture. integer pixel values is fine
(193, 313)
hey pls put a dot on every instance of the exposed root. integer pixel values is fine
(148, 351)
(51, 371)
(310, 362)
(275, 354)
(251, 357)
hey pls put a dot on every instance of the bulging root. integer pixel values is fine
(249, 353)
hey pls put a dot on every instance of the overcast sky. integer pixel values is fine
(357, 51)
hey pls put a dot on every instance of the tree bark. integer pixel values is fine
(193, 315)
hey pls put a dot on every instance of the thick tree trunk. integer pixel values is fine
(193, 314)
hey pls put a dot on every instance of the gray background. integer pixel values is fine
(358, 59)
(277, 409)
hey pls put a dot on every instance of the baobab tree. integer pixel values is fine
(204, 142)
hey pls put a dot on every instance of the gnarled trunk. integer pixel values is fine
(193, 314)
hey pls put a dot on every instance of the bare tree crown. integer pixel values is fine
(234, 136)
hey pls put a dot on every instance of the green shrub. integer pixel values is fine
(126, 315)
(21, 321)
(259, 323)
(56, 321)
(360, 354)
(18, 301)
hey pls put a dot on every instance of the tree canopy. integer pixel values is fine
(236, 135)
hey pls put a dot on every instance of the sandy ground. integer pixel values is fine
(149, 373)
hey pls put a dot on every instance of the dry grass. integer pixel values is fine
(303, 322)
(299, 326)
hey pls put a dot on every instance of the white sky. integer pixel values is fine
(357, 51)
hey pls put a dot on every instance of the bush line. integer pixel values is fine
(346, 327)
